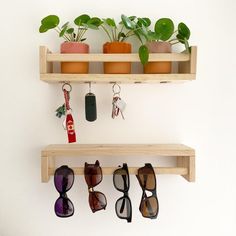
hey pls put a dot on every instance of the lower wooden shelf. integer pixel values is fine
(116, 78)
(184, 154)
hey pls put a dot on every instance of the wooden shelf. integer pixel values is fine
(184, 154)
(99, 57)
(186, 67)
(118, 78)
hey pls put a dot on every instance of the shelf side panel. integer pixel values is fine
(189, 163)
(45, 66)
(189, 67)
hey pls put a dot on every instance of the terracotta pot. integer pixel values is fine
(74, 67)
(158, 67)
(117, 67)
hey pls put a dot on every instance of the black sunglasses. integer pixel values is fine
(149, 206)
(122, 183)
(63, 181)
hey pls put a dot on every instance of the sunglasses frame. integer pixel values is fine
(125, 192)
(63, 195)
(144, 188)
(91, 187)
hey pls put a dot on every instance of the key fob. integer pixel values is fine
(90, 107)
(120, 104)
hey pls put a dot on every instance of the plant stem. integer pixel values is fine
(116, 35)
(106, 32)
(77, 36)
(83, 32)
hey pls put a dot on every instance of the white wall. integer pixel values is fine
(200, 114)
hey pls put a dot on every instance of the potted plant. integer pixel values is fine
(160, 40)
(74, 37)
(117, 35)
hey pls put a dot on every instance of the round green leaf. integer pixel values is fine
(183, 30)
(144, 21)
(128, 23)
(42, 29)
(165, 28)
(81, 19)
(147, 20)
(143, 54)
(121, 35)
(65, 25)
(90, 26)
(95, 21)
(70, 31)
(180, 38)
(50, 22)
(63, 31)
(132, 18)
(110, 22)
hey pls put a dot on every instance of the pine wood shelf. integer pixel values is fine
(186, 67)
(184, 154)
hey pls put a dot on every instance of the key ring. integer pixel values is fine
(114, 90)
(66, 84)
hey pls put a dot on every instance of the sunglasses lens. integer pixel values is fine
(121, 180)
(123, 208)
(93, 175)
(64, 207)
(97, 201)
(63, 179)
(147, 178)
(149, 207)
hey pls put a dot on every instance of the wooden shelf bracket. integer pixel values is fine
(184, 154)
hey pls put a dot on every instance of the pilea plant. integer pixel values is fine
(163, 31)
(68, 33)
(115, 32)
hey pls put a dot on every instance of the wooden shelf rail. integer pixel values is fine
(186, 67)
(184, 154)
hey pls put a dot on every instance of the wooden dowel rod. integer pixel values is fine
(132, 170)
(133, 57)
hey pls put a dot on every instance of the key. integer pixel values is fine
(120, 104)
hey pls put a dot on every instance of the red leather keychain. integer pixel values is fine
(69, 118)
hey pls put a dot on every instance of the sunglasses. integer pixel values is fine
(121, 182)
(149, 205)
(93, 176)
(63, 181)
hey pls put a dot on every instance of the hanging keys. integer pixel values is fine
(118, 105)
(65, 110)
(61, 110)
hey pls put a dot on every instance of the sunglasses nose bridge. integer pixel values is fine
(63, 195)
(91, 190)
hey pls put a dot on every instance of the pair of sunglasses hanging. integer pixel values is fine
(93, 177)
(149, 206)
(65, 110)
(63, 181)
(121, 182)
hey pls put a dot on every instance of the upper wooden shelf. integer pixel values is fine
(99, 57)
(186, 67)
(184, 154)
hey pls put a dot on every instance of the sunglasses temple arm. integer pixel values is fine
(125, 184)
